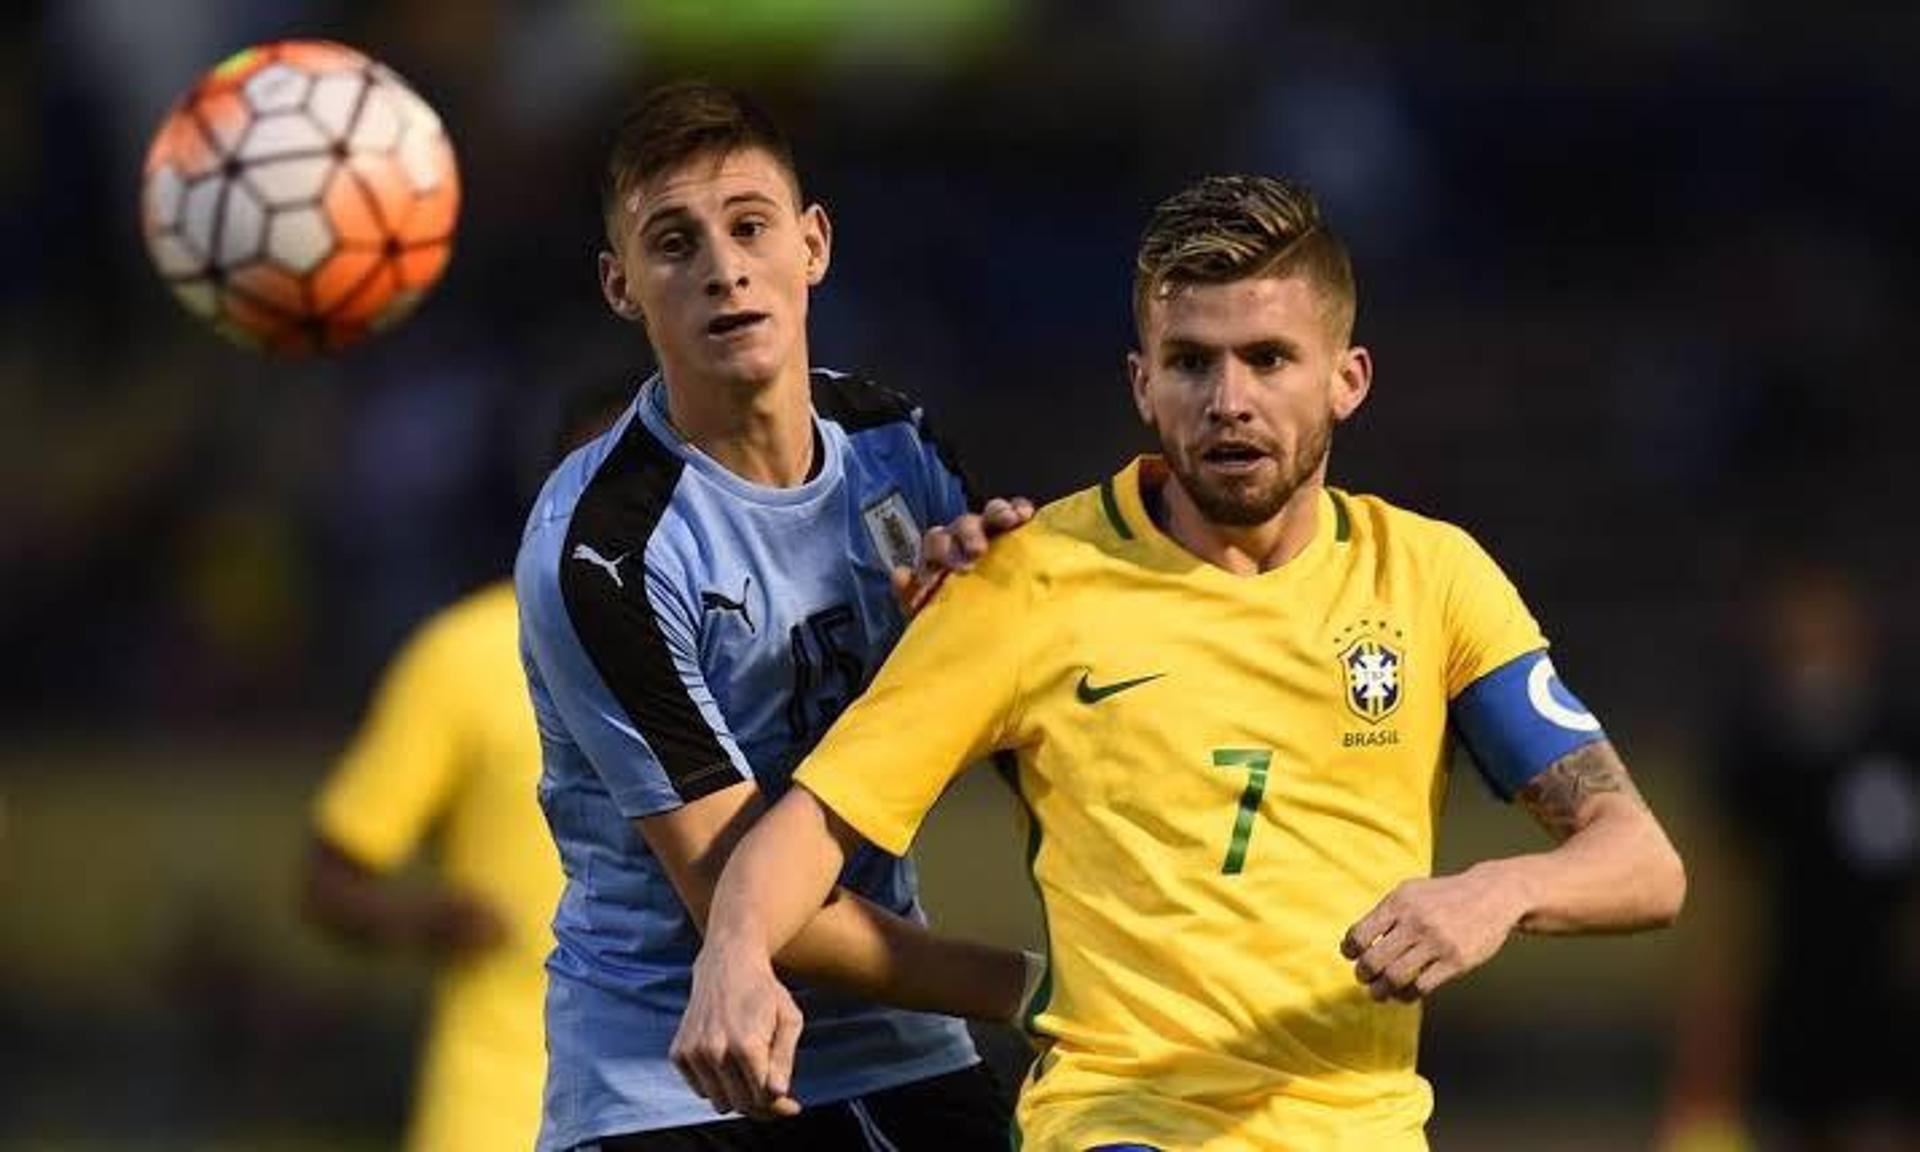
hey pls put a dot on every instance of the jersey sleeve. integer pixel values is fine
(947, 695)
(1505, 700)
(950, 491)
(620, 661)
(1487, 624)
(1518, 719)
(404, 762)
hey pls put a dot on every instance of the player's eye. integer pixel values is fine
(1267, 359)
(672, 245)
(749, 227)
(1190, 363)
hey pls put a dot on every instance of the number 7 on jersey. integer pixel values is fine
(1255, 761)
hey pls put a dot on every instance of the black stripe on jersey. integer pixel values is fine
(1342, 523)
(617, 513)
(858, 405)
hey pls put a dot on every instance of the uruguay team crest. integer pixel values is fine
(895, 536)
(1372, 668)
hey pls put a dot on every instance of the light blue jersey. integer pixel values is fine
(682, 630)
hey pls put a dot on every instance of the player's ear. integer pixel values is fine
(1352, 380)
(1137, 378)
(614, 286)
(816, 232)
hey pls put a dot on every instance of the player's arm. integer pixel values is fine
(372, 812)
(852, 945)
(776, 904)
(358, 903)
(953, 684)
(621, 665)
(840, 938)
(737, 1040)
(1613, 869)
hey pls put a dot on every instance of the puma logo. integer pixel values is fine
(711, 601)
(586, 552)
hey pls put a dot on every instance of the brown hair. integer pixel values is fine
(678, 122)
(1226, 228)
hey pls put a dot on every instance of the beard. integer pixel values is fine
(1245, 501)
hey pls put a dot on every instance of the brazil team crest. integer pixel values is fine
(1372, 668)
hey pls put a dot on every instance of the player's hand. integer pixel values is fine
(1427, 932)
(453, 923)
(736, 1042)
(956, 547)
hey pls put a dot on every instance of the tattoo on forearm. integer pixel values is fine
(1558, 797)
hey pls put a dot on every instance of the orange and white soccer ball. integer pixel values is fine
(300, 196)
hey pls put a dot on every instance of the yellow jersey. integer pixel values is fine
(449, 748)
(1222, 774)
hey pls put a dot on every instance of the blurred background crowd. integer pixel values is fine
(1637, 279)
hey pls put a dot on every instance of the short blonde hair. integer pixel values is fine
(1227, 228)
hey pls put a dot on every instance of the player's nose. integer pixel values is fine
(726, 271)
(1230, 400)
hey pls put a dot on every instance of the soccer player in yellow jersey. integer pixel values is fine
(1226, 691)
(448, 748)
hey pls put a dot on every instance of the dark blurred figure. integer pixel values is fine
(449, 749)
(1804, 1014)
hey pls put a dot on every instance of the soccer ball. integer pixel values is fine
(300, 196)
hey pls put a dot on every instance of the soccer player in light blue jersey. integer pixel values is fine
(702, 590)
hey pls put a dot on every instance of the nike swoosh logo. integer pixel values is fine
(1093, 694)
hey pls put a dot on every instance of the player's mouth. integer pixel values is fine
(1233, 456)
(734, 324)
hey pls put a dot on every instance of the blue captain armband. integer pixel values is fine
(1518, 719)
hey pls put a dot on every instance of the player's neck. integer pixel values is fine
(1243, 550)
(762, 433)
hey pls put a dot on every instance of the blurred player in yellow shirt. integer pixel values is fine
(1225, 693)
(448, 749)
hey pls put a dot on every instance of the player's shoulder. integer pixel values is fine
(858, 404)
(1084, 516)
(462, 634)
(1080, 526)
(1074, 527)
(608, 499)
(574, 472)
(482, 610)
(1374, 521)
